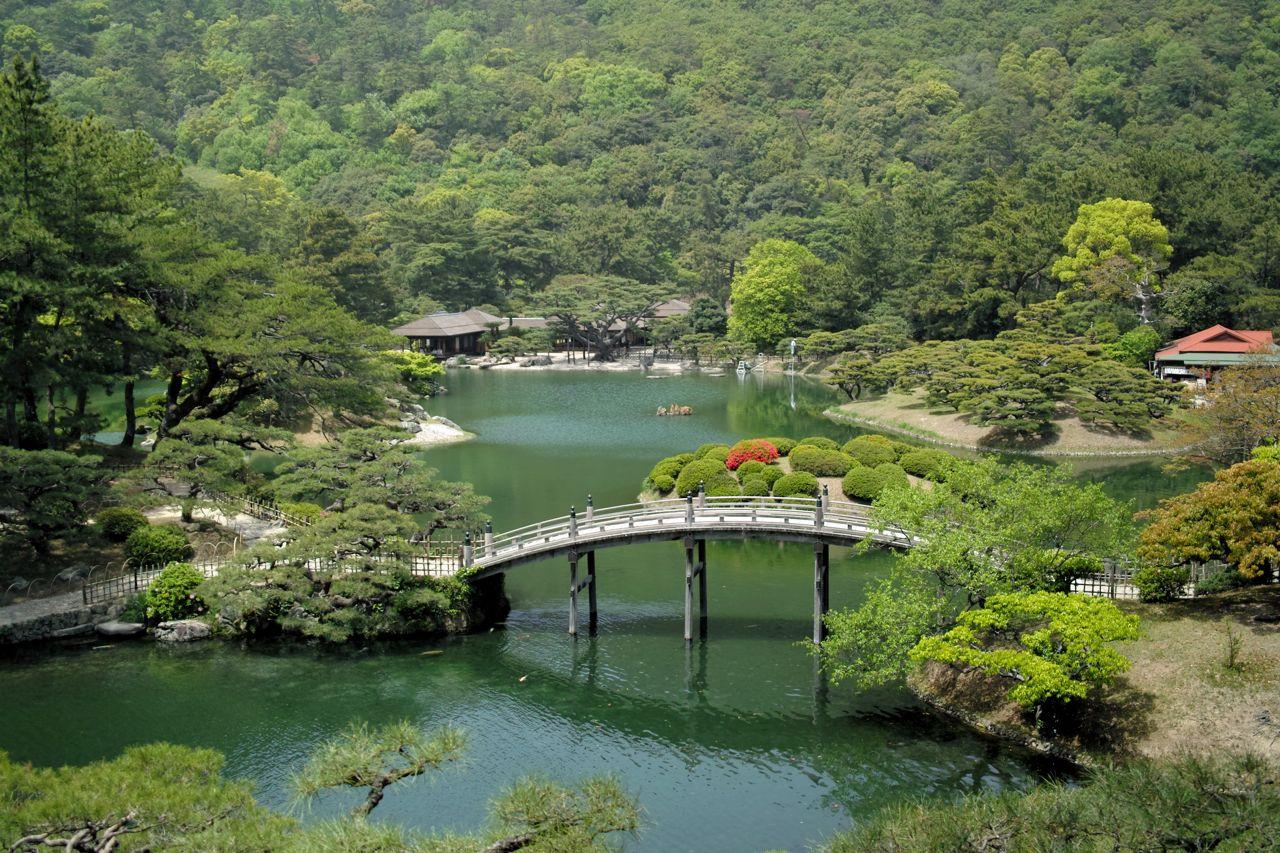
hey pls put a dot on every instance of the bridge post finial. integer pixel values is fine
(466, 549)
(688, 509)
(702, 494)
(819, 509)
(488, 539)
(573, 522)
(826, 498)
(591, 507)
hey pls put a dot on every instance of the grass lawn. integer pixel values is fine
(1184, 692)
(908, 414)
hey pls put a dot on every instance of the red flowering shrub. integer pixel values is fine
(752, 448)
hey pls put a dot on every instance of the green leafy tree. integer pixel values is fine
(1116, 241)
(418, 372)
(768, 292)
(46, 493)
(597, 311)
(1051, 647)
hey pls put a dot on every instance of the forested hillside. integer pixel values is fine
(931, 155)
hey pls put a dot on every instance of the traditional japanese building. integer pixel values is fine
(1197, 356)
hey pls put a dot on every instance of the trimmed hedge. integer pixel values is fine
(666, 469)
(870, 452)
(1160, 583)
(117, 522)
(716, 477)
(894, 476)
(752, 449)
(863, 484)
(302, 509)
(796, 484)
(717, 454)
(755, 487)
(784, 445)
(662, 484)
(724, 490)
(158, 545)
(823, 463)
(704, 449)
(772, 474)
(172, 595)
(926, 463)
(818, 441)
(750, 468)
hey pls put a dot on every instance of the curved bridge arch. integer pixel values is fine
(820, 521)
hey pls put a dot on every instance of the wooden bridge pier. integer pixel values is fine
(821, 588)
(575, 585)
(695, 570)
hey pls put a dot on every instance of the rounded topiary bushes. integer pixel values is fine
(926, 463)
(117, 522)
(818, 441)
(718, 480)
(871, 450)
(750, 450)
(754, 487)
(867, 484)
(157, 545)
(796, 484)
(820, 461)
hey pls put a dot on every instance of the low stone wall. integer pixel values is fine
(49, 619)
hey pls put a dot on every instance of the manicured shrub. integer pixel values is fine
(1160, 583)
(926, 463)
(784, 445)
(135, 609)
(703, 450)
(796, 484)
(724, 490)
(752, 449)
(172, 595)
(823, 463)
(668, 468)
(863, 484)
(818, 441)
(870, 451)
(708, 471)
(772, 474)
(662, 484)
(118, 522)
(717, 454)
(302, 510)
(894, 476)
(755, 486)
(750, 468)
(157, 545)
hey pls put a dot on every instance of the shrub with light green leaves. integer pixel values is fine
(816, 441)
(716, 477)
(750, 468)
(754, 486)
(926, 463)
(117, 522)
(302, 510)
(1049, 645)
(172, 595)
(662, 484)
(893, 475)
(784, 445)
(820, 462)
(871, 450)
(704, 449)
(1157, 583)
(772, 474)
(796, 484)
(863, 484)
(157, 545)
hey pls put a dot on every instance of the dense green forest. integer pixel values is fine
(930, 155)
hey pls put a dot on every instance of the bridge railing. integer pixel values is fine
(676, 513)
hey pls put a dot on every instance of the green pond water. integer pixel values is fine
(730, 745)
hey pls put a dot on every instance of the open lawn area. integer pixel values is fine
(1205, 680)
(910, 415)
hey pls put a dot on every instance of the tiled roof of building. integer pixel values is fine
(1218, 339)
(445, 324)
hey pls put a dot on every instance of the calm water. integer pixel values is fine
(729, 746)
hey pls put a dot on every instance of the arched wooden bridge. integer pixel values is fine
(693, 521)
